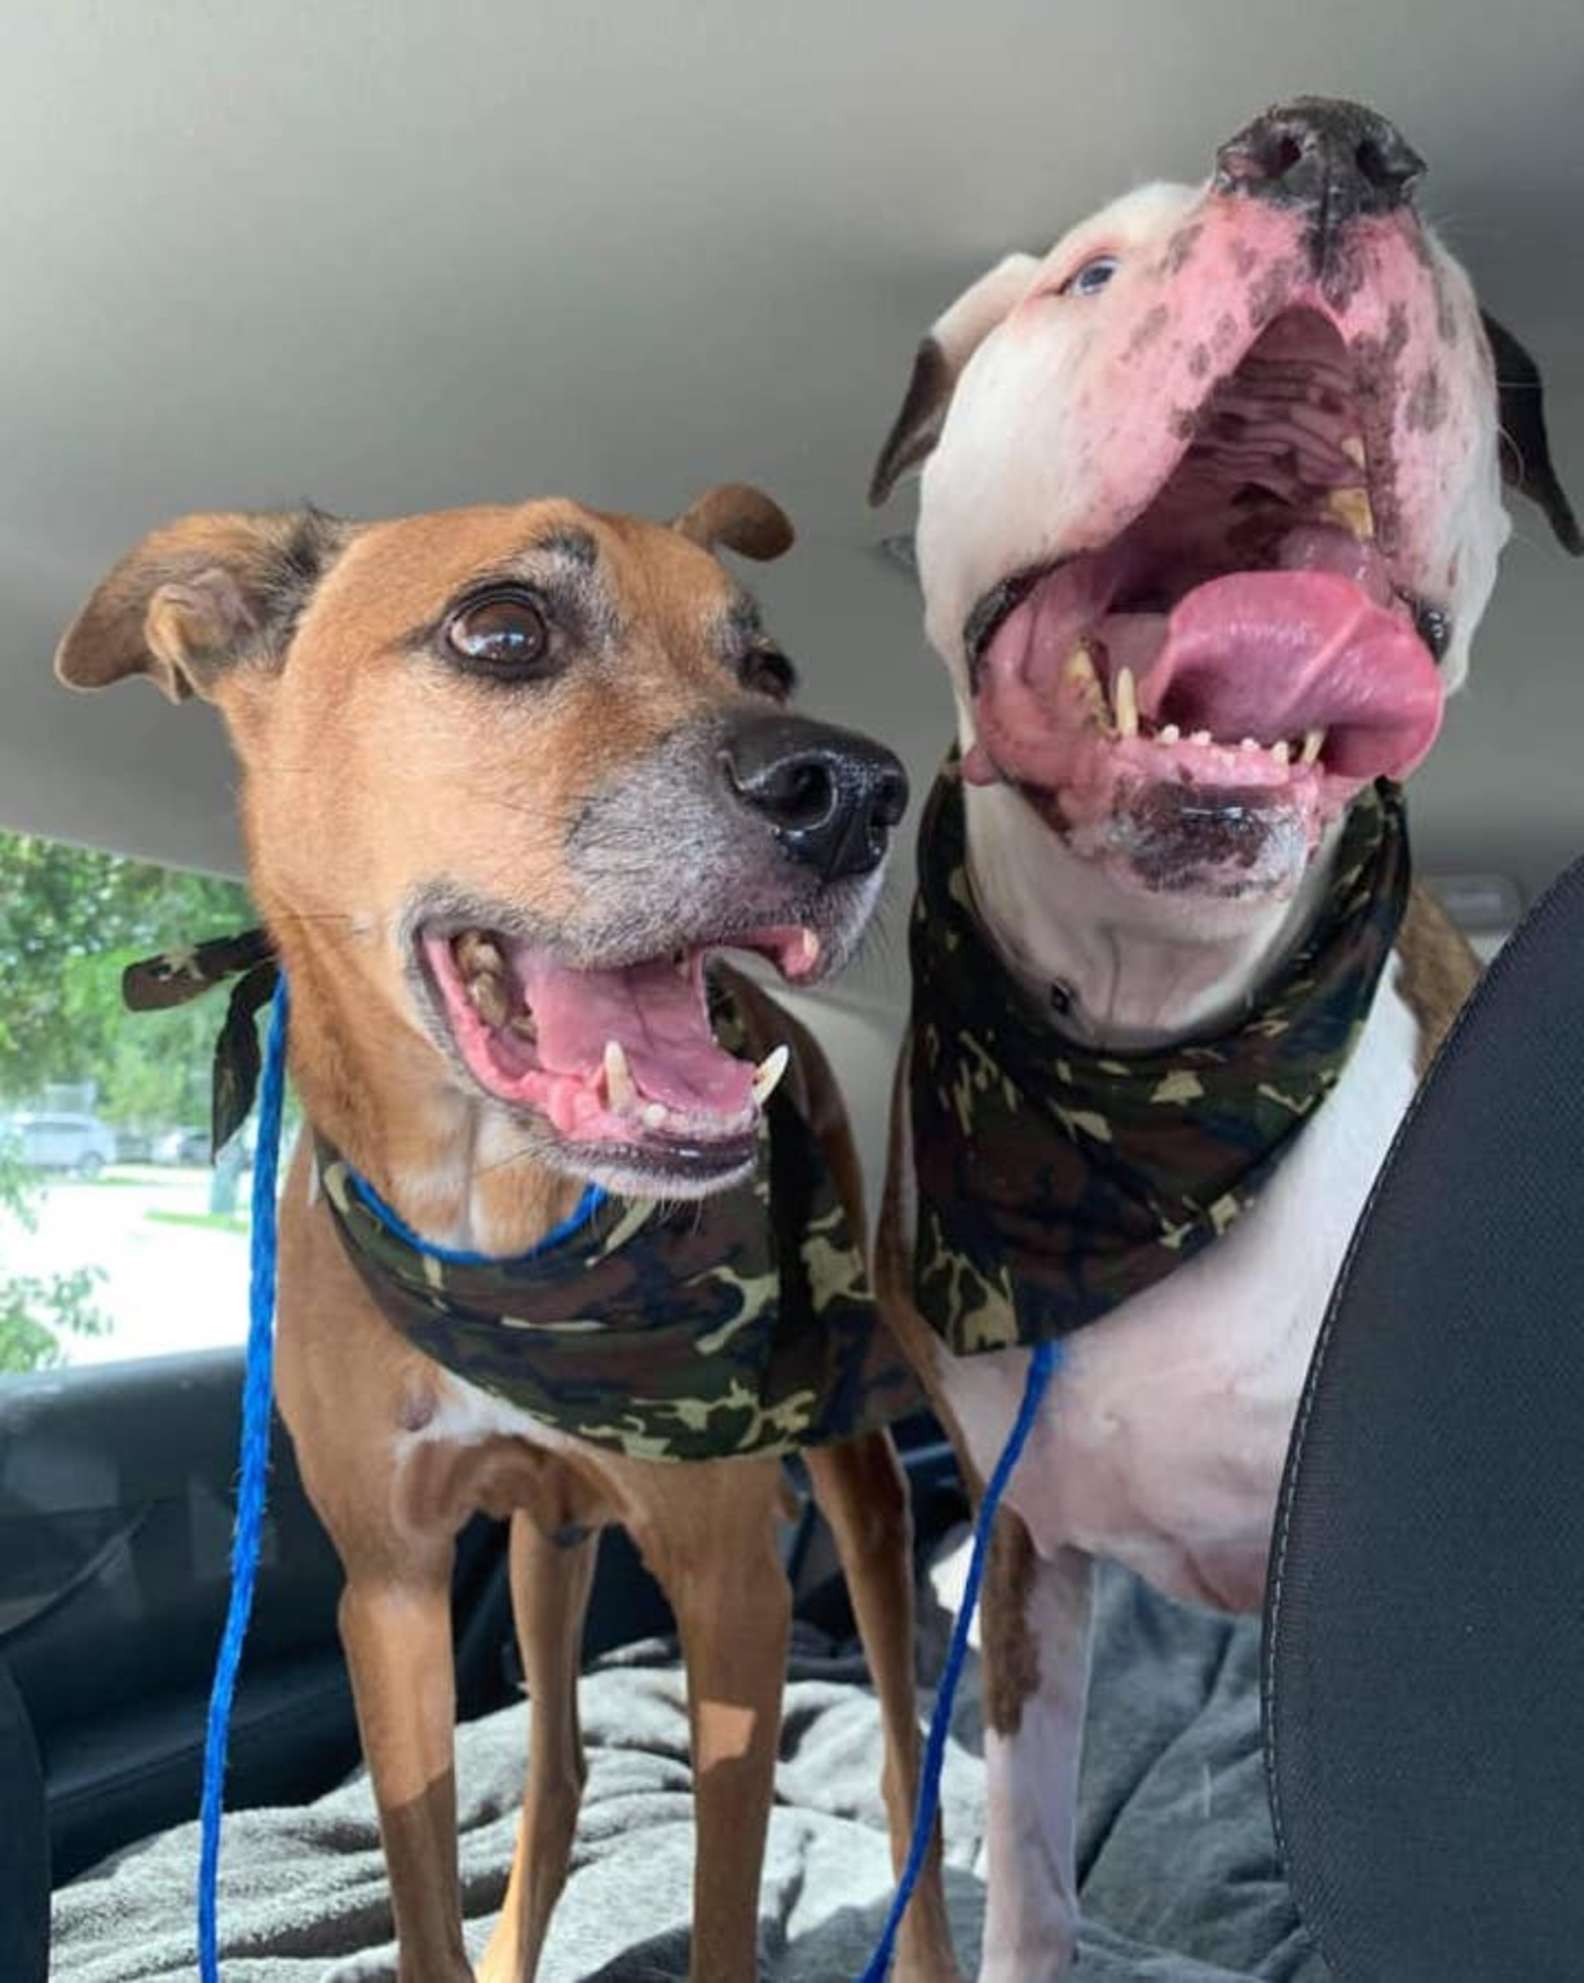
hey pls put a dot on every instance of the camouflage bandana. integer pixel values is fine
(1055, 1181)
(742, 1324)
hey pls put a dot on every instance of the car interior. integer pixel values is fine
(399, 259)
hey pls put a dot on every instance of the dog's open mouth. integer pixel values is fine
(1243, 636)
(621, 1062)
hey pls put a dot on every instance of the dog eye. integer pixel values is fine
(502, 632)
(1091, 278)
(766, 671)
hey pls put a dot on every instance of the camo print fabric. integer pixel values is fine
(741, 1324)
(1054, 1181)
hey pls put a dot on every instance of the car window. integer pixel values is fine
(118, 1237)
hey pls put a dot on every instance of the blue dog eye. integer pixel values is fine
(1091, 278)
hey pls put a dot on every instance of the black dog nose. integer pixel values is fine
(1337, 159)
(831, 796)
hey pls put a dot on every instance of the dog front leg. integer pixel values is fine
(862, 1492)
(550, 1583)
(713, 1548)
(1038, 1616)
(397, 1636)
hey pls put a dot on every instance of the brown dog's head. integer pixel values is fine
(1212, 508)
(510, 776)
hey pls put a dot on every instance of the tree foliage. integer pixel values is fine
(37, 1310)
(70, 919)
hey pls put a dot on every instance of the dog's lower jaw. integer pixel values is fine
(1114, 968)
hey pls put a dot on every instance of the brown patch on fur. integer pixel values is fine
(1146, 330)
(1426, 407)
(1012, 1656)
(1180, 248)
(1438, 971)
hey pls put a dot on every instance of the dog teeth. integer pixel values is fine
(1171, 734)
(1282, 751)
(682, 964)
(769, 1072)
(654, 1114)
(475, 953)
(1081, 673)
(1351, 508)
(523, 1026)
(1312, 744)
(1249, 744)
(1353, 448)
(620, 1092)
(488, 997)
(1200, 737)
(1125, 695)
(806, 956)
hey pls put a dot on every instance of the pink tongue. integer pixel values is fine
(1274, 654)
(658, 1017)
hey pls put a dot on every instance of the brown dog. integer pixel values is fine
(509, 775)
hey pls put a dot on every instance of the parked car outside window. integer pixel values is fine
(60, 1142)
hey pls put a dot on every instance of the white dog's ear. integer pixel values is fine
(951, 342)
(1525, 446)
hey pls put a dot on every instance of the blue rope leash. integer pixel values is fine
(257, 1396)
(257, 1386)
(1042, 1367)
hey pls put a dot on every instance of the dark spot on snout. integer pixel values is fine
(1226, 331)
(1184, 422)
(1426, 407)
(1180, 248)
(1183, 836)
(1199, 361)
(1245, 258)
(1147, 329)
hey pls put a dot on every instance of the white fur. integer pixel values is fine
(1163, 1439)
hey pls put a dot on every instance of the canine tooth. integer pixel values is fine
(654, 1115)
(1312, 743)
(1249, 744)
(682, 964)
(488, 995)
(1351, 508)
(475, 952)
(808, 950)
(1353, 448)
(523, 1026)
(1081, 673)
(769, 1072)
(1281, 751)
(620, 1092)
(1171, 734)
(1200, 737)
(1125, 695)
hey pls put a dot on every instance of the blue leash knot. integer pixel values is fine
(257, 1397)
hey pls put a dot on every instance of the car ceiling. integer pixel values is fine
(403, 255)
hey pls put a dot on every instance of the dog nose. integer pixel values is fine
(831, 797)
(1337, 159)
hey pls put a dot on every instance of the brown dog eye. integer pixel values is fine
(504, 633)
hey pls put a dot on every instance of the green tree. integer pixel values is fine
(70, 919)
(38, 1310)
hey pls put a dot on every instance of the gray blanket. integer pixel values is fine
(1180, 1880)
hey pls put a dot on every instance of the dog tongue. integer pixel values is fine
(658, 1016)
(1275, 654)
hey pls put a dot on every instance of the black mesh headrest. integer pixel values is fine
(1424, 1671)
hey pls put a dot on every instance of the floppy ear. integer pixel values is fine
(951, 342)
(197, 596)
(1526, 452)
(741, 518)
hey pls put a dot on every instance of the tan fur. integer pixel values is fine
(1439, 970)
(349, 740)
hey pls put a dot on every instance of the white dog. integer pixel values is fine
(1211, 511)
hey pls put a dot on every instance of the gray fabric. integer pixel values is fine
(1180, 1879)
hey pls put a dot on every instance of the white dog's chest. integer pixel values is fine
(1162, 1441)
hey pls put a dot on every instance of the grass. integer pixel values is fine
(212, 1221)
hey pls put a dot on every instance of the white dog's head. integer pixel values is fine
(1212, 506)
